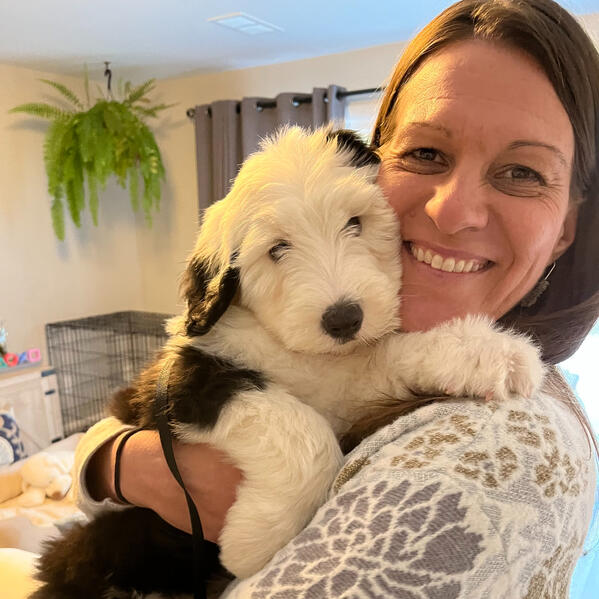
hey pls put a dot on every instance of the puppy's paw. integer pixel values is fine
(492, 363)
(525, 369)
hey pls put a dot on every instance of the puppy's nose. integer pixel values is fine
(342, 320)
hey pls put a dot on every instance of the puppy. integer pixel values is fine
(289, 334)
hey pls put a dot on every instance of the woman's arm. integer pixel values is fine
(92, 487)
(146, 480)
(210, 479)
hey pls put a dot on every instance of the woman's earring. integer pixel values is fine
(530, 299)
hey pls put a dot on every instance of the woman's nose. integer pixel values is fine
(458, 204)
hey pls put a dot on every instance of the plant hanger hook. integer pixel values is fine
(108, 73)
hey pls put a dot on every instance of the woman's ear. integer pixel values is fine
(567, 235)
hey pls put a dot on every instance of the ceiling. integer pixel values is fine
(167, 38)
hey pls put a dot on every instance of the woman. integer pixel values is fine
(488, 137)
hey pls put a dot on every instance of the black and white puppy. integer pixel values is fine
(289, 333)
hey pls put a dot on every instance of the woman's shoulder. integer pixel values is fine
(487, 443)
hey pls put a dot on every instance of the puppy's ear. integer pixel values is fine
(208, 295)
(358, 152)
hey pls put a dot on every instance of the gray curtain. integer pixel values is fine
(228, 131)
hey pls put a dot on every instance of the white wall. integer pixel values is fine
(122, 264)
(41, 279)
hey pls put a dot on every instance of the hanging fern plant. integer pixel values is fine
(91, 143)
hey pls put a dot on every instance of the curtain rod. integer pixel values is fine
(302, 99)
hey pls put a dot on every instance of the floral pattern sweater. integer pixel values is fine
(460, 498)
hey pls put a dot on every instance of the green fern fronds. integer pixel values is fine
(92, 187)
(53, 156)
(43, 111)
(57, 212)
(89, 146)
(151, 112)
(139, 92)
(134, 188)
(66, 92)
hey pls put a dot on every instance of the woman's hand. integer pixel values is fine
(146, 480)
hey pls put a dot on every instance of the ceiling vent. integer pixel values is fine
(245, 23)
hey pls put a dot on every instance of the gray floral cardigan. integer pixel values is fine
(460, 498)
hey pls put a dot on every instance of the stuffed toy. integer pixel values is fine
(46, 475)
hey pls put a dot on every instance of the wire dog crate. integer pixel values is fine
(98, 355)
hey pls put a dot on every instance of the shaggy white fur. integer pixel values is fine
(306, 231)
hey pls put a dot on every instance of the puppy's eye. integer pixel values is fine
(353, 226)
(277, 251)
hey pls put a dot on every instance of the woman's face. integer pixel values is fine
(478, 171)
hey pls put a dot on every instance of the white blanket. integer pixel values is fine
(27, 528)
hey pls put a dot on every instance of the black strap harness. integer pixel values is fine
(166, 440)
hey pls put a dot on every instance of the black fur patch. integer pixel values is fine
(361, 153)
(201, 384)
(122, 406)
(126, 550)
(206, 305)
(219, 302)
(196, 279)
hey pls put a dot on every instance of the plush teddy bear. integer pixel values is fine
(44, 475)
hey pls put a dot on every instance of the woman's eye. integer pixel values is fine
(522, 174)
(426, 154)
(353, 226)
(277, 251)
(424, 161)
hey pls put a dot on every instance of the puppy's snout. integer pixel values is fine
(342, 320)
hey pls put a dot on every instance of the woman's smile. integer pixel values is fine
(444, 260)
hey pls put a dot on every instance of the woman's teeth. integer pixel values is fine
(446, 264)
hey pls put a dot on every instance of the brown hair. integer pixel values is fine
(567, 310)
